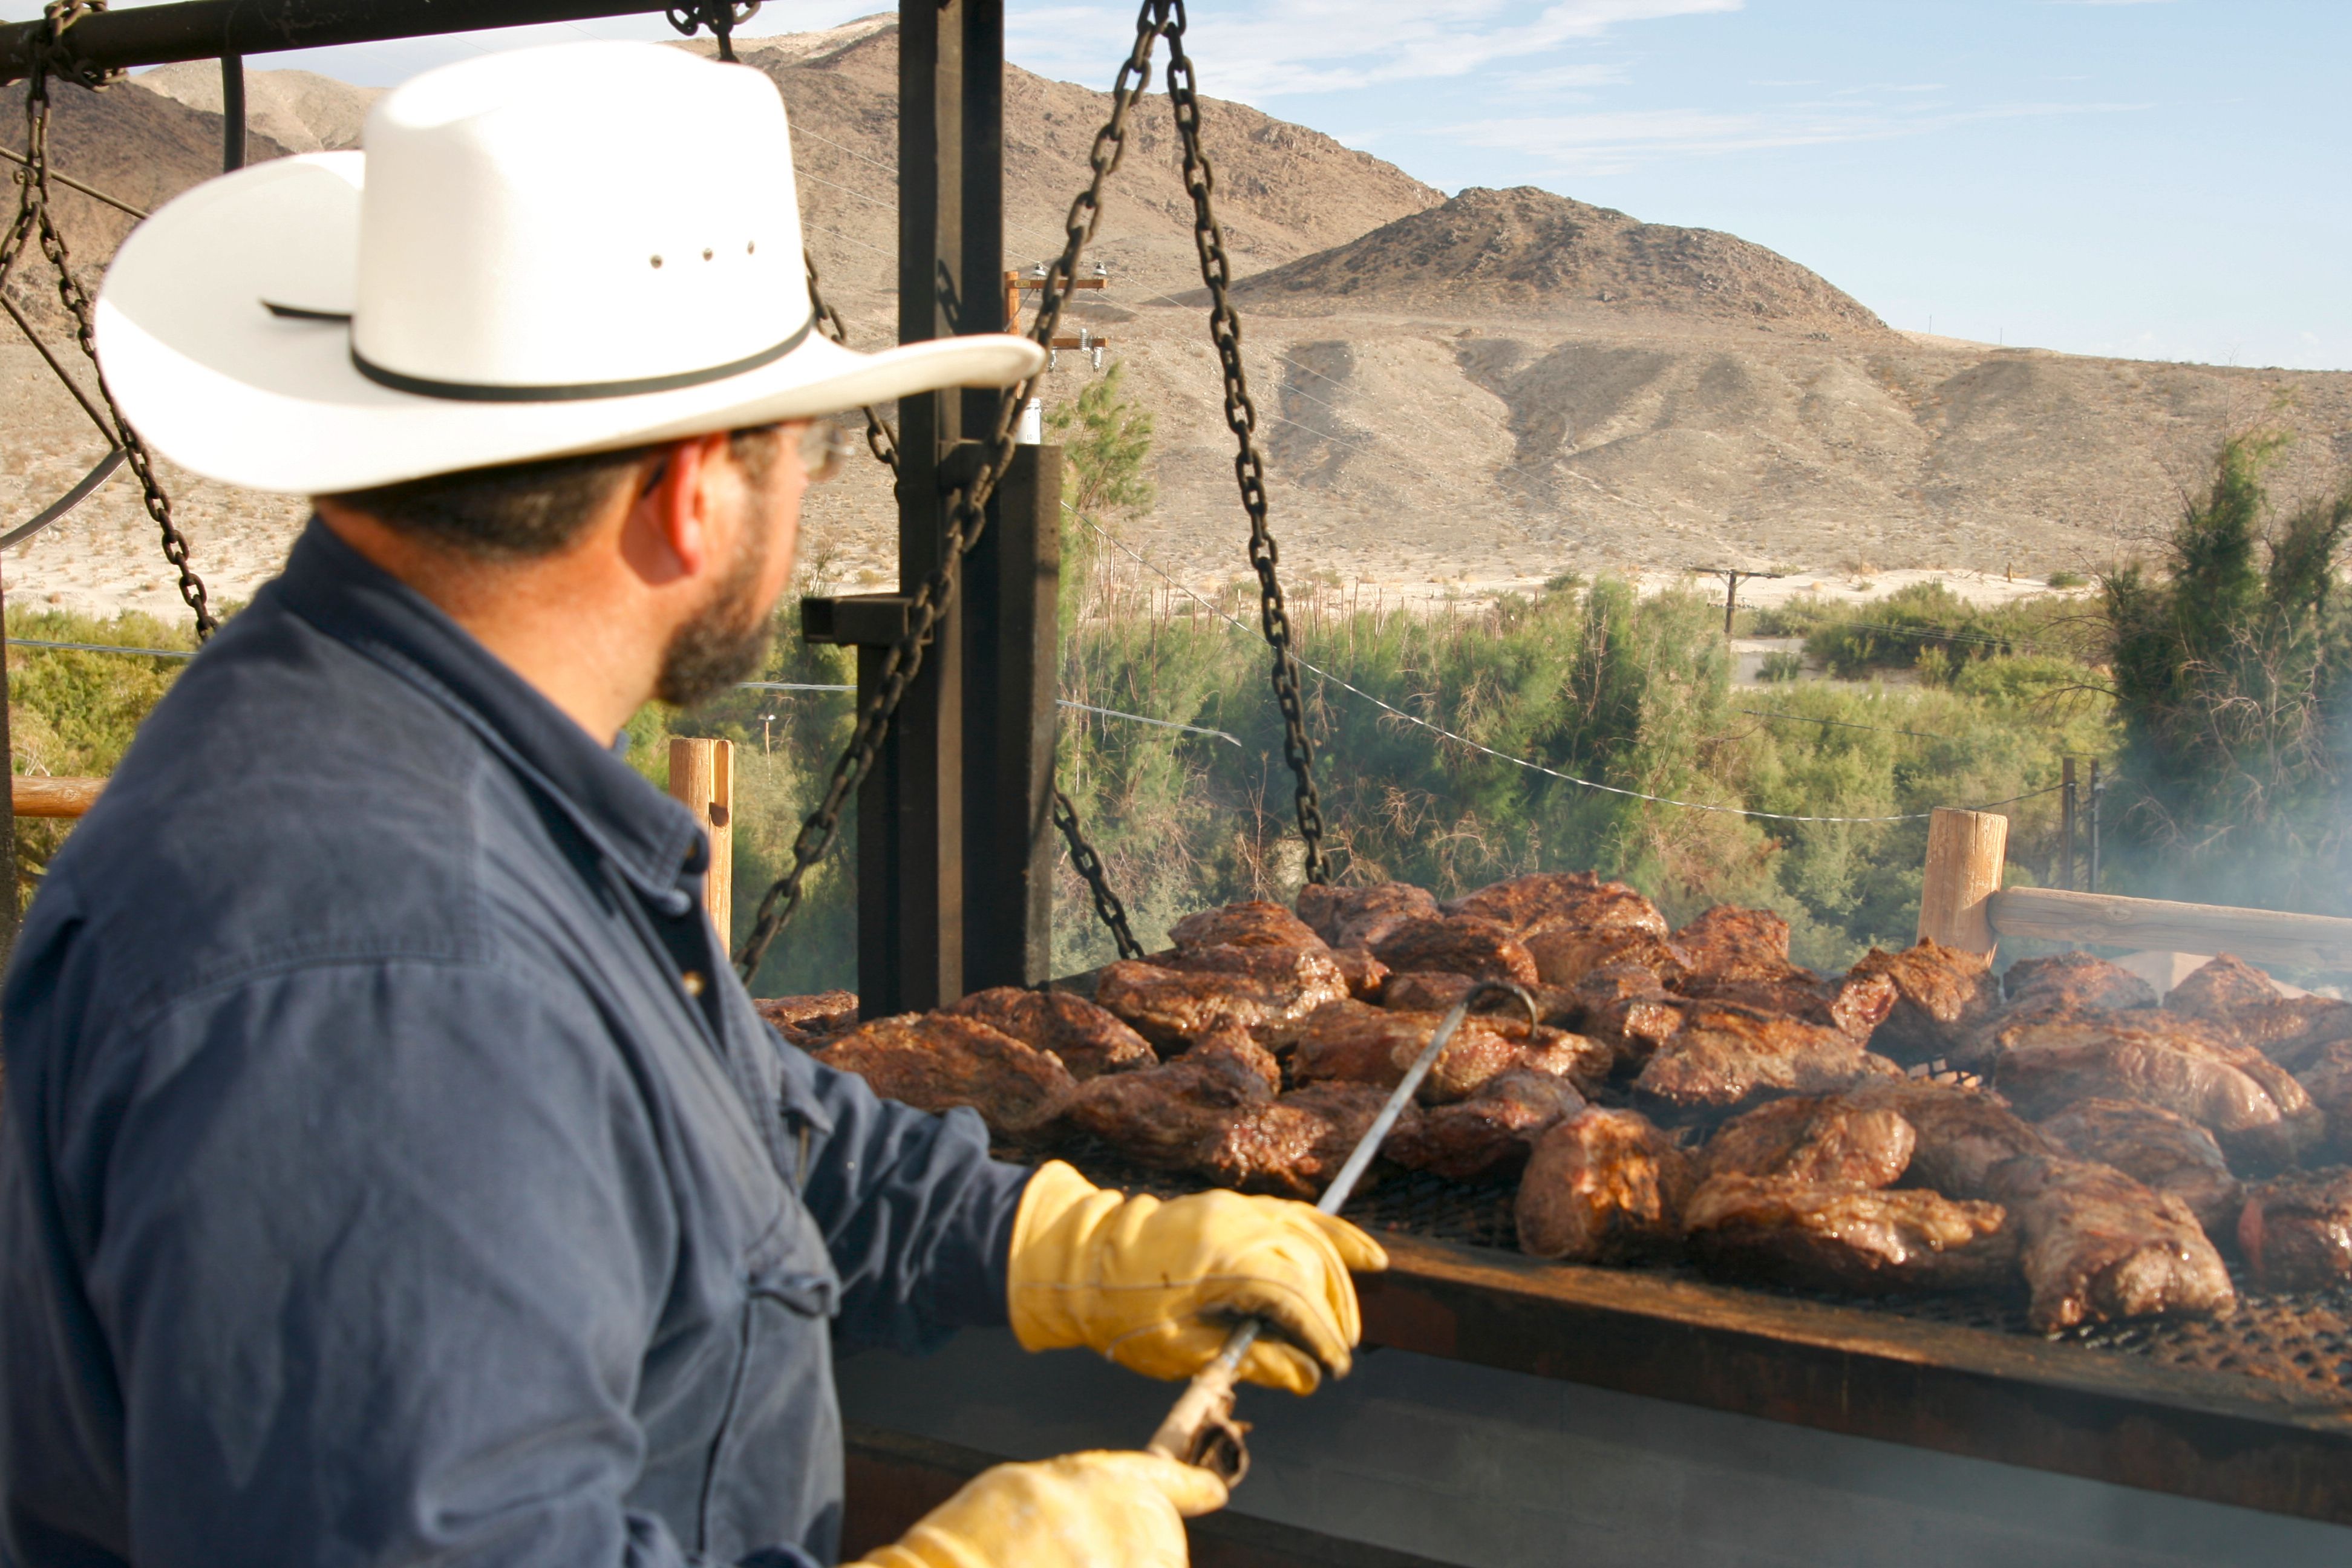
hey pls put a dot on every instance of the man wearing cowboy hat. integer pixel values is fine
(393, 1170)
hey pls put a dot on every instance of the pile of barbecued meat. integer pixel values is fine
(1910, 1125)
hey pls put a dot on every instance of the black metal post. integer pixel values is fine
(2066, 825)
(2097, 791)
(232, 112)
(910, 810)
(1012, 595)
(9, 823)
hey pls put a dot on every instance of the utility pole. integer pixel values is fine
(2066, 825)
(1732, 576)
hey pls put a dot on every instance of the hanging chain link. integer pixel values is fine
(721, 16)
(880, 438)
(33, 220)
(1108, 908)
(967, 516)
(1240, 417)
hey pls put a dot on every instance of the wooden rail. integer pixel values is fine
(34, 796)
(2258, 936)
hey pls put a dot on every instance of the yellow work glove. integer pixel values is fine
(1081, 1510)
(1157, 1286)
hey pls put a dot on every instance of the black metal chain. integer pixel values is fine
(1089, 864)
(34, 218)
(721, 16)
(967, 516)
(881, 439)
(1240, 417)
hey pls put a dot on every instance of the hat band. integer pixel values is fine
(570, 391)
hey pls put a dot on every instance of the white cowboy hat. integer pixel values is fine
(539, 252)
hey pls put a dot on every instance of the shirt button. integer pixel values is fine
(692, 981)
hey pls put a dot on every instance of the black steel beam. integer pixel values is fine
(207, 30)
(1012, 654)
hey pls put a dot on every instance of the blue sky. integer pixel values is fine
(2166, 179)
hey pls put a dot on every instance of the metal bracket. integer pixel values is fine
(855, 620)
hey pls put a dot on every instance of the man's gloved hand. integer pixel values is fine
(1157, 1286)
(1082, 1511)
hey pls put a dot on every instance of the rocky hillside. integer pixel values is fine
(1528, 252)
(302, 111)
(1454, 395)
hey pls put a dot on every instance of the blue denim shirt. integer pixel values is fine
(375, 1186)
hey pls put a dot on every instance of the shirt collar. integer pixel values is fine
(650, 838)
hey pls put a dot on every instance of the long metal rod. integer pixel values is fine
(207, 30)
(84, 487)
(1209, 1397)
(69, 182)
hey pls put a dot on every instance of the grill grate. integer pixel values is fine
(2301, 1340)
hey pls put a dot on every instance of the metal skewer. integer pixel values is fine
(1201, 1429)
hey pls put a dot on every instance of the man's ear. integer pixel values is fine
(669, 533)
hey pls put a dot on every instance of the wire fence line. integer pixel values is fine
(1466, 741)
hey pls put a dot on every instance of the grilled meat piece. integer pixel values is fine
(2241, 1003)
(1852, 1006)
(2098, 1246)
(2327, 1077)
(2075, 983)
(1824, 1140)
(1729, 943)
(1361, 917)
(1940, 995)
(1961, 1135)
(1823, 1236)
(1604, 1186)
(1090, 1040)
(1434, 991)
(1367, 976)
(2047, 1066)
(936, 1061)
(1294, 1146)
(1722, 1052)
(1160, 1116)
(1624, 1007)
(1189, 996)
(1564, 956)
(1491, 1132)
(1357, 1044)
(1458, 945)
(1569, 901)
(1253, 922)
(809, 1022)
(2296, 1230)
(2157, 1148)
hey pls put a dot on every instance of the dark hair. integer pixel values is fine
(518, 511)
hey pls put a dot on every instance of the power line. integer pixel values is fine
(1522, 762)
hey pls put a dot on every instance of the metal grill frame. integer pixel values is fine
(2150, 1405)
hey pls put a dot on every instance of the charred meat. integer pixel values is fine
(2155, 1147)
(1823, 1140)
(1624, 1007)
(936, 1061)
(1940, 995)
(809, 1022)
(1090, 1040)
(2075, 983)
(2247, 1007)
(1457, 944)
(1191, 995)
(1604, 1186)
(1367, 977)
(2296, 1230)
(2098, 1245)
(1489, 1133)
(1433, 991)
(1361, 917)
(1852, 1006)
(1294, 1146)
(1162, 1116)
(1253, 922)
(2327, 1077)
(1727, 943)
(1961, 1135)
(1822, 1236)
(2049, 1065)
(1573, 901)
(1352, 1043)
(1722, 1052)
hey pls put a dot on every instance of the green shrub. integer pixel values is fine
(1780, 665)
(2065, 580)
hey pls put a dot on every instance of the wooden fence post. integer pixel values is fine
(702, 777)
(1966, 850)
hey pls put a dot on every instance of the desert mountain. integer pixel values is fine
(1486, 390)
(1527, 252)
(302, 111)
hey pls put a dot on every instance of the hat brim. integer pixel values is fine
(212, 378)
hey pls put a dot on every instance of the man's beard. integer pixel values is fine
(727, 640)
